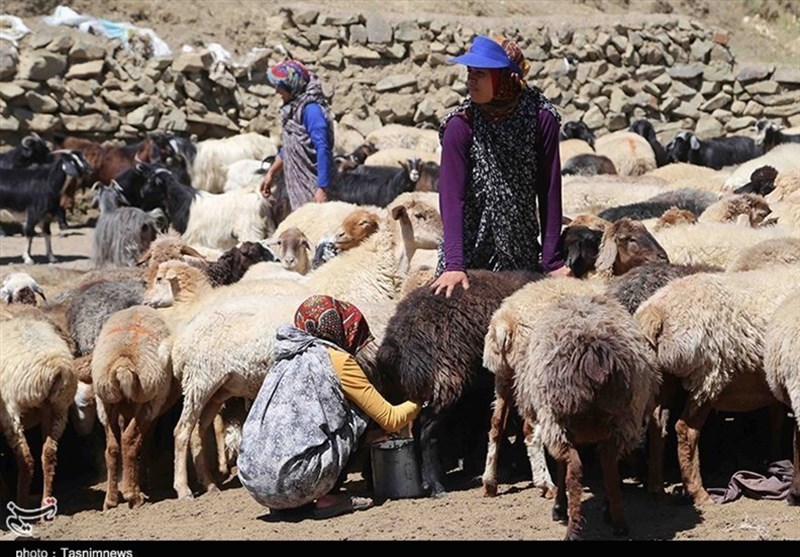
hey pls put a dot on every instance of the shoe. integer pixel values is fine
(346, 504)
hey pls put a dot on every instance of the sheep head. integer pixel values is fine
(420, 222)
(174, 281)
(627, 244)
(293, 250)
(358, 226)
(21, 288)
(580, 246)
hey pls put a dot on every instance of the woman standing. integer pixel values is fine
(500, 162)
(307, 135)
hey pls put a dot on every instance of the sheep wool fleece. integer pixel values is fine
(301, 430)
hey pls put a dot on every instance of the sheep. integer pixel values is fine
(674, 217)
(432, 351)
(20, 288)
(393, 157)
(715, 153)
(679, 175)
(588, 164)
(592, 194)
(404, 137)
(762, 181)
(569, 148)
(625, 245)
(37, 385)
(630, 152)
(316, 220)
(787, 212)
(214, 156)
(324, 251)
(713, 243)
(587, 379)
(782, 368)
(356, 158)
(769, 252)
(695, 201)
(132, 379)
(233, 264)
(234, 363)
(356, 227)
(707, 330)
(747, 209)
(783, 158)
(646, 130)
(293, 250)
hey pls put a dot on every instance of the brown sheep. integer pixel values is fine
(674, 217)
(357, 227)
(746, 208)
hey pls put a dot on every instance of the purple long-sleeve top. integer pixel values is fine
(453, 176)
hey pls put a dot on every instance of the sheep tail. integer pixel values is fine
(123, 383)
(651, 321)
(64, 383)
(573, 389)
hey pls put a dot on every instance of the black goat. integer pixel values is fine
(355, 159)
(576, 129)
(762, 181)
(773, 136)
(32, 150)
(580, 246)
(231, 265)
(39, 192)
(646, 130)
(687, 199)
(375, 185)
(714, 153)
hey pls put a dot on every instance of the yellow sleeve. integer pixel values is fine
(358, 389)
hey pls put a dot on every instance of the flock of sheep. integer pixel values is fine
(687, 280)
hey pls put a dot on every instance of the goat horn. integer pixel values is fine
(96, 185)
(38, 290)
(26, 141)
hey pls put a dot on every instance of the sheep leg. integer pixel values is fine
(222, 458)
(432, 473)
(574, 484)
(688, 433)
(657, 435)
(498, 428)
(559, 512)
(190, 414)
(132, 439)
(536, 456)
(777, 414)
(794, 490)
(53, 424)
(112, 456)
(15, 435)
(201, 464)
(609, 461)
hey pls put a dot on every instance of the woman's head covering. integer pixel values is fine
(508, 67)
(290, 75)
(335, 321)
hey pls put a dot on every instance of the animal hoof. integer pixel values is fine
(212, 489)
(559, 513)
(110, 504)
(549, 492)
(27, 260)
(489, 489)
(185, 495)
(135, 501)
(794, 499)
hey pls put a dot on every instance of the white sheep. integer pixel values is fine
(708, 331)
(293, 250)
(777, 251)
(679, 175)
(592, 194)
(132, 379)
(783, 158)
(713, 243)
(747, 209)
(20, 288)
(787, 210)
(631, 154)
(405, 137)
(316, 220)
(395, 157)
(568, 148)
(214, 156)
(782, 368)
(37, 386)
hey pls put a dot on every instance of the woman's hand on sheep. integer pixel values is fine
(448, 280)
(561, 272)
(266, 184)
(320, 195)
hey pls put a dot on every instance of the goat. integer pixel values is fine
(576, 129)
(714, 153)
(762, 181)
(769, 135)
(375, 185)
(32, 150)
(646, 130)
(39, 192)
(355, 159)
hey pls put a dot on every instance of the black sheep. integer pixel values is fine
(432, 352)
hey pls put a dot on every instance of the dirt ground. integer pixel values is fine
(519, 512)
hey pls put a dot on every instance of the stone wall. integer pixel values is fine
(376, 71)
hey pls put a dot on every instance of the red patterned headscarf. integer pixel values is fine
(335, 321)
(291, 75)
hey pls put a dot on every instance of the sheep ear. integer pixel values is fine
(5, 294)
(189, 250)
(608, 250)
(565, 220)
(305, 244)
(399, 212)
(38, 290)
(694, 143)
